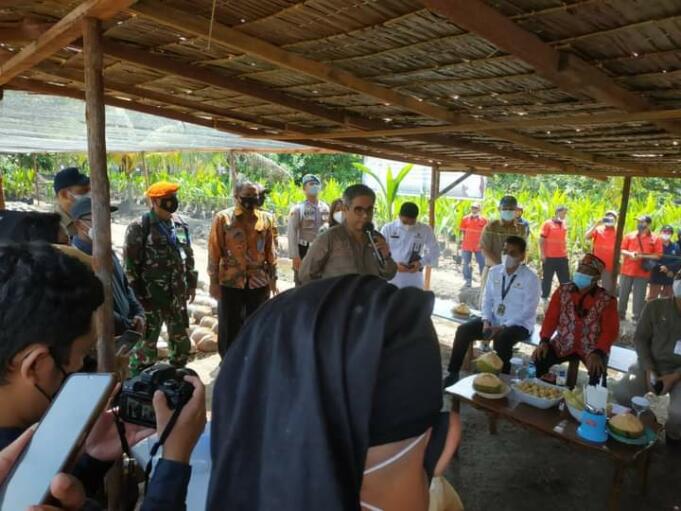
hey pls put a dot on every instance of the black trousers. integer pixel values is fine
(472, 331)
(302, 252)
(551, 359)
(235, 306)
(554, 266)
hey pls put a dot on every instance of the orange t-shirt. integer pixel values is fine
(651, 245)
(472, 230)
(604, 240)
(555, 238)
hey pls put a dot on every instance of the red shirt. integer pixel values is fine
(604, 240)
(472, 230)
(554, 234)
(609, 322)
(650, 244)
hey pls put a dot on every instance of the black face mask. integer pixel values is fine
(170, 204)
(64, 374)
(249, 203)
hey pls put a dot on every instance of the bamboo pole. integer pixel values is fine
(233, 174)
(621, 220)
(434, 189)
(36, 178)
(101, 216)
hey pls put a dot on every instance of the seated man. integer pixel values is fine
(583, 317)
(658, 345)
(48, 300)
(128, 312)
(509, 309)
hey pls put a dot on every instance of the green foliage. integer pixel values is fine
(327, 166)
(392, 184)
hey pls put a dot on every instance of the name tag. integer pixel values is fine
(677, 348)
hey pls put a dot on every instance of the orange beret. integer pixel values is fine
(162, 189)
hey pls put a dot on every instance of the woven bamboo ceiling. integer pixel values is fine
(588, 87)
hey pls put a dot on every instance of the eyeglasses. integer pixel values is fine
(359, 211)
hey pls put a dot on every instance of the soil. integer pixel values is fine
(517, 469)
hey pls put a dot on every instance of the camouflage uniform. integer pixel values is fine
(163, 277)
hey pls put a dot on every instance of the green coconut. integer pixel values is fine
(489, 363)
(488, 383)
(626, 425)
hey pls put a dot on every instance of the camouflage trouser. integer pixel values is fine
(144, 353)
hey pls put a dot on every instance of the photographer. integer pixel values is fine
(48, 300)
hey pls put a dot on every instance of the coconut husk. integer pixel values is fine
(200, 333)
(199, 311)
(209, 322)
(208, 344)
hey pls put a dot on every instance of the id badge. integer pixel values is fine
(501, 310)
(677, 348)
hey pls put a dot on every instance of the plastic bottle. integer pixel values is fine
(531, 371)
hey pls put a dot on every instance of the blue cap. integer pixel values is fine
(83, 207)
(68, 177)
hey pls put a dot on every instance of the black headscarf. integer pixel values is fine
(317, 376)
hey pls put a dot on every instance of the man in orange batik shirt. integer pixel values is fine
(242, 262)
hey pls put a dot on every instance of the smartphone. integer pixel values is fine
(126, 341)
(57, 440)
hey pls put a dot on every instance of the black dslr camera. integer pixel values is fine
(135, 401)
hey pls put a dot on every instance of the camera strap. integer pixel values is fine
(164, 436)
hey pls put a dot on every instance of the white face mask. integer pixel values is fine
(91, 233)
(407, 227)
(677, 288)
(509, 262)
(338, 216)
(666, 237)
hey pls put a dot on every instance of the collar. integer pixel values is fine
(64, 214)
(82, 245)
(260, 217)
(517, 270)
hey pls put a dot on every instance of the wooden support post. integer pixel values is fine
(233, 174)
(101, 215)
(621, 221)
(434, 193)
(2, 195)
(36, 178)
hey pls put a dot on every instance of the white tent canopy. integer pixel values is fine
(34, 123)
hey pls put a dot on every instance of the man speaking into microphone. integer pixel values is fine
(351, 247)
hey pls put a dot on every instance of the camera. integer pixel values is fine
(135, 401)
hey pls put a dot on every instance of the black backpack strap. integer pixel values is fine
(146, 229)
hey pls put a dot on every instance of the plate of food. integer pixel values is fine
(489, 363)
(538, 393)
(489, 386)
(628, 429)
(462, 310)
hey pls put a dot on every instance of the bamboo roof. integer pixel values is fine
(526, 86)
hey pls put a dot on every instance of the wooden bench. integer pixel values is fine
(620, 359)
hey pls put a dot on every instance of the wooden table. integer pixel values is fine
(562, 426)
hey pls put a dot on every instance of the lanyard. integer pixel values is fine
(169, 233)
(504, 289)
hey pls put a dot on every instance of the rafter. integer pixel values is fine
(567, 71)
(65, 31)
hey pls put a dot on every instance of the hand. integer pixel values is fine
(191, 295)
(668, 382)
(215, 290)
(273, 288)
(68, 491)
(382, 246)
(402, 268)
(296, 263)
(594, 364)
(664, 269)
(139, 324)
(103, 442)
(189, 426)
(541, 351)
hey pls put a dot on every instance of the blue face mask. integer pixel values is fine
(507, 215)
(582, 280)
(314, 190)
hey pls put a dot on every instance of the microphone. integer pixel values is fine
(370, 231)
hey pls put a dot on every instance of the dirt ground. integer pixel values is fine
(515, 470)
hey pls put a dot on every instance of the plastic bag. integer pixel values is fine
(443, 496)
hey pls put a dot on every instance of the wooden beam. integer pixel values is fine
(101, 216)
(64, 32)
(23, 32)
(566, 70)
(452, 185)
(434, 188)
(551, 121)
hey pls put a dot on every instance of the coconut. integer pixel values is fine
(208, 344)
(489, 363)
(488, 383)
(199, 333)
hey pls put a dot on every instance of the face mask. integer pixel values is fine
(475, 214)
(509, 262)
(248, 203)
(507, 215)
(407, 227)
(314, 190)
(64, 374)
(91, 233)
(677, 288)
(642, 227)
(76, 196)
(170, 204)
(582, 280)
(338, 216)
(666, 237)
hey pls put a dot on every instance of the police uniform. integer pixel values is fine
(305, 222)
(159, 263)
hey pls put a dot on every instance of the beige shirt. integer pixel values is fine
(67, 223)
(657, 334)
(336, 252)
(494, 235)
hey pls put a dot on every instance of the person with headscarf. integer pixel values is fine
(330, 400)
(581, 322)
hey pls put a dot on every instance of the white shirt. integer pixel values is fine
(404, 242)
(520, 304)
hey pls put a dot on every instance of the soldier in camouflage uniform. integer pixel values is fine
(159, 263)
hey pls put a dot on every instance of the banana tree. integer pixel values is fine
(391, 187)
